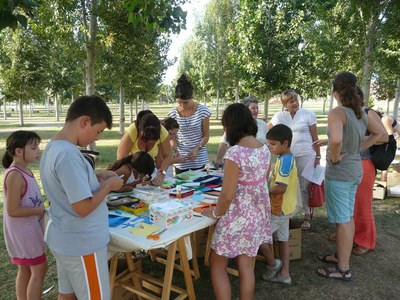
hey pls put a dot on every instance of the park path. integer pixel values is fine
(31, 126)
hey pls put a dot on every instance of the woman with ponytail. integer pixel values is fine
(347, 124)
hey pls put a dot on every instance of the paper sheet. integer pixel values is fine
(314, 174)
(144, 229)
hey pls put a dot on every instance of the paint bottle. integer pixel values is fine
(178, 191)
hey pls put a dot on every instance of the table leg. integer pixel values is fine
(186, 269)
(169, 270)
(195, 264)
(113, 271)
(136, 282)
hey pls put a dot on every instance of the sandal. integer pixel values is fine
(359, 250)
(306, 225)
(328, 261)
(335, 273)
(397, 211)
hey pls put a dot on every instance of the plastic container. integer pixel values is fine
(150, 193)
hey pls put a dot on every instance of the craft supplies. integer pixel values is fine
(150, 193)
(181, 192)
(169, 213)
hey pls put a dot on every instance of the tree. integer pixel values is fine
(13, 12)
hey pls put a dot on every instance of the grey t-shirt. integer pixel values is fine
(68, 178)
(349, 169)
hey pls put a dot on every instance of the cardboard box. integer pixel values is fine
(169, 213)
(393, 185)
(379, 190)
(294, 244)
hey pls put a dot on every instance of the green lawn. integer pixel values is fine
(382, 265)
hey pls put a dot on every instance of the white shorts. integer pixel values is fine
(280, 228)
(86, 276)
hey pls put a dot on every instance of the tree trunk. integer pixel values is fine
(267, 96)
(21, 113)
(388, 106)
(331, 102)
(136, 105)
(130, 112)
(30, 108)
(370, 40)
(56, 108)
(121, 109)
(90, 40)
(237, 94)
(217, 109)
(397, 100)
(4, 108)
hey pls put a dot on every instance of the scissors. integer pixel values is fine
(156, 235)
(204, 206)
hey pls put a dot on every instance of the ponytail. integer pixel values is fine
(7, 160)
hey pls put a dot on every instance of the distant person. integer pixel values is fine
(135, 169)
(283, 197)
(194, 127)
(77, 232)
(303, 124)
(243, 209)
(147, 134)
(262, 129)
(23, 212)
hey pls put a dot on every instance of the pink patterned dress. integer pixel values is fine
(246, 224)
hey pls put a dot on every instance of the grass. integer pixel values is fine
(376, 275)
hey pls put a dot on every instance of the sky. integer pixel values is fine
(193, 8)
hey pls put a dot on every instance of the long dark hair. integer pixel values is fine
(17, 139)
(345, 84)
(238, 122)
(150, 127)
(184, 88)
(141, 161)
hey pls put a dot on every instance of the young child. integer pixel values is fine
(283, 195)
(134, 168)
(243, 209)
(173, 127)
(77, 231)
(23, 212)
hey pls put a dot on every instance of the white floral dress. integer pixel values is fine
(246, 224)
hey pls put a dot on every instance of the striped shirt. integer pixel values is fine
(190, 134)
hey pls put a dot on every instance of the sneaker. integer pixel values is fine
(270, 272)
(282, 280)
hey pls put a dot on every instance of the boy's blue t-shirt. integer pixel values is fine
(285, 172)
(67, 178)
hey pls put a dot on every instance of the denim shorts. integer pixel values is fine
(340, 197)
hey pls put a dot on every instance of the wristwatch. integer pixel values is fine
(162, 172)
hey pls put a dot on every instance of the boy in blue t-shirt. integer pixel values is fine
(283, 195)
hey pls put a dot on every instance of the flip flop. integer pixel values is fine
(328, 273)
(359, 250)
(328, 261)
(397, 211)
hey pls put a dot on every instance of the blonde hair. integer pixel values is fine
(288, 95)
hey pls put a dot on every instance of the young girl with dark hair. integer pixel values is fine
(194, 126)
(23, 212)
(243, 209)
(135, 169)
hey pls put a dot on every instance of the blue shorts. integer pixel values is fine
(340, 197)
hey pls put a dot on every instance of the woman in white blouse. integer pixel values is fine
(304, 127)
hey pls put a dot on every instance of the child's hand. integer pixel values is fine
(114, 183)
(103, 176)
(319, 143)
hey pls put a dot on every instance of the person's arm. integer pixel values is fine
(15, 187)
(205, 124)
(270, 125)
(314, 137)
(166, 152)
(222, 147)
(228, 192)
(125, 146)
(335, 124)
(378, 134)
(86, 206)
(278, 189)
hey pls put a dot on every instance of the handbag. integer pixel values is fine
(316, 194)
(383, 155)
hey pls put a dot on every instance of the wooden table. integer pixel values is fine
(144, 286)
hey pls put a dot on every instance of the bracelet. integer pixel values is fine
(162, 172)
(318, 156)
(213, 214)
